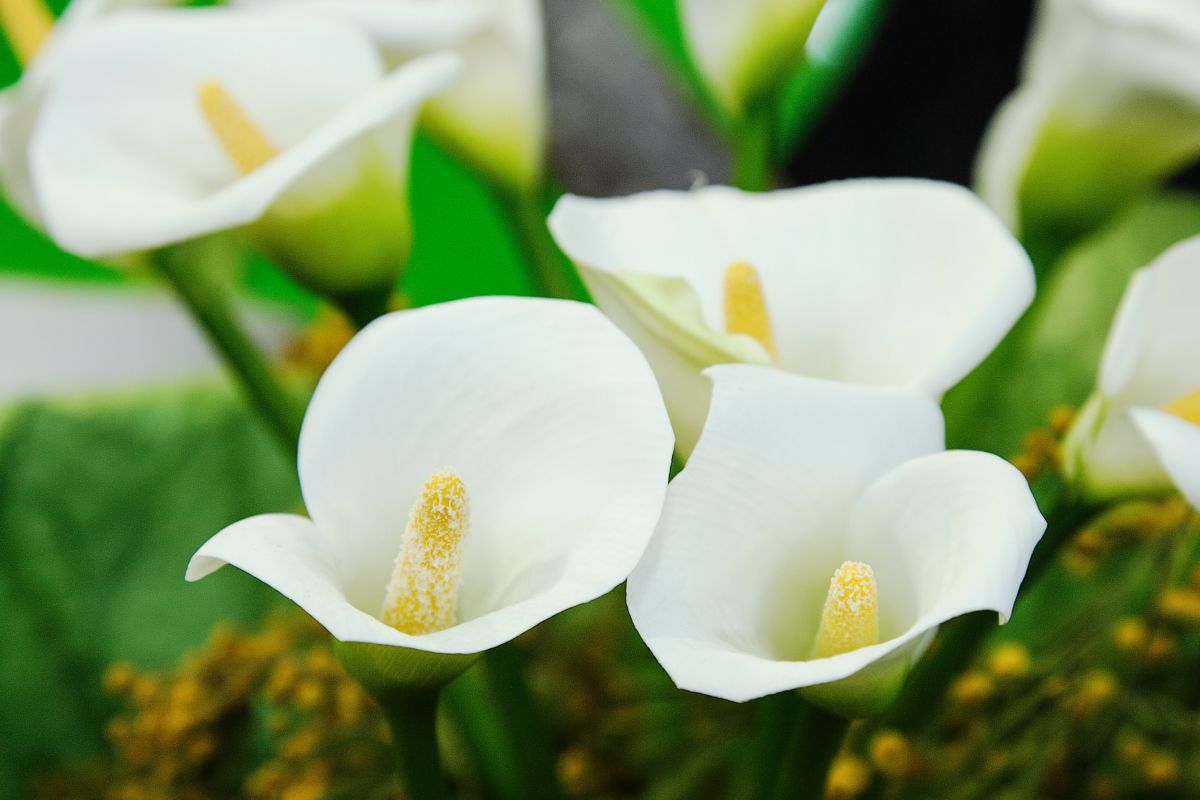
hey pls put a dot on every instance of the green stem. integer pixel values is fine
(754, 151)
(412, 717)
(208, 301)
(546, 265)
(961, 638)
(795, 744)
(514, 704)
(500, 723)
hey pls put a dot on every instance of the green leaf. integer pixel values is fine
(1051, 357)
(102, 502)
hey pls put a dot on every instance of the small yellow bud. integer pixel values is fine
(1096, 689)
(1009, 661)
(746, 306)
(850, 618)
(848, 778)
(1130, 635)
(27, 25)
(1180, 604)
(971, 688)
(1132, 748)
(1061, 418)
(245, 144)
(891, 755)
(1160, 770)
(423, 594)
(1186, 407)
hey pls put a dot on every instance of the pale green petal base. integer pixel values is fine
(1091, 478)
(864, 694)
(383, 669)
(345, 240)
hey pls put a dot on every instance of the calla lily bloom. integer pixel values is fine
(524, 442)
(282, 126)
(745, 49)
(494, 116)
(1109, 106)
(898, 282)
(1140, 431)
(818, 537)
(35, 36)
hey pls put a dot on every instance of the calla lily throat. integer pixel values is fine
(850, 618)
(746, 307)
(422, 596)
(243, 141)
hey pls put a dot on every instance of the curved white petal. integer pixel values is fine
(898, 282)
(123, 163)
(1109, 105)
(287, 553)
(745, 48)
(495, 114)
(1176, 443)
(729, 593)
(1150, 355)
(548, 413)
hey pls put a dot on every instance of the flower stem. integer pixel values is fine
(499, 718)
(754, 151)
(412, 717)
(208, 301)
(546, 265)
(795, 744)
(961, 638)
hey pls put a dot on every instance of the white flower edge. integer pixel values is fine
(549, 414)
(94, 217)
(749, 536)
(495, 115)
(1123, 444)
(848, 268)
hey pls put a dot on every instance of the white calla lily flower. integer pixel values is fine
(1109, 106)
(495, 115)
(745, 49)
(35, 37)
(283, 126)
(818, 537)
(523, 440)
(1140, 432)
(897, 282)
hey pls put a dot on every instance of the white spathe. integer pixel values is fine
(898, 282)
(1109, 106)
(123, 159)
(20, 103)
(495, 115)
(745, 49)
(1123, 442)
(792, 477)
(553, 421)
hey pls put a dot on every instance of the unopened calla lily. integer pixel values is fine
(494, 116)
(817, 538)
(1108, 107)
(470, 469)
(284, 127)
(745, 49)
(1140, 431)
(897, 282)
